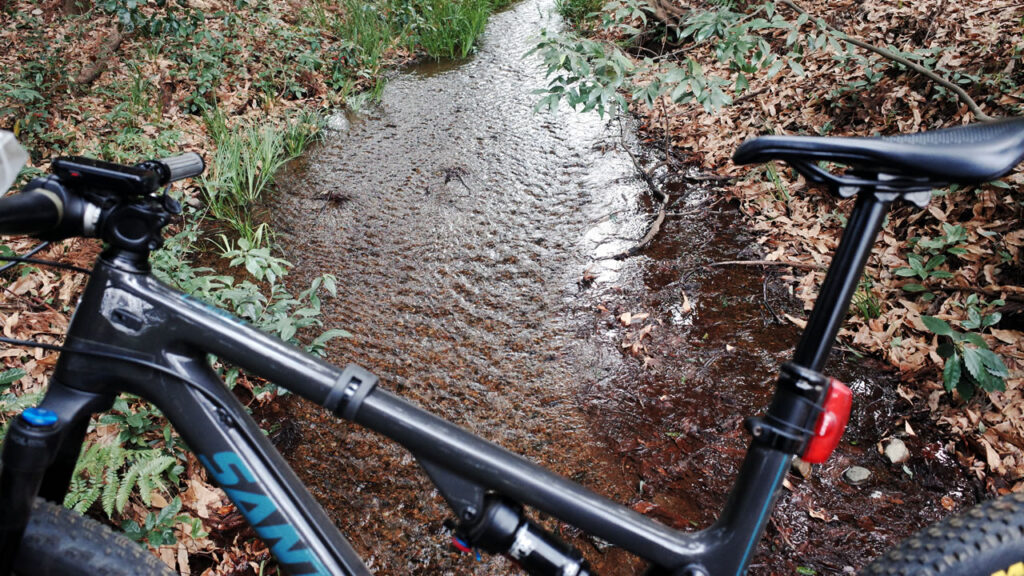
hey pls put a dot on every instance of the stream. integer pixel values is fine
(471, 239)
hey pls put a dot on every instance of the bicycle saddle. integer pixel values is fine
(903, 163)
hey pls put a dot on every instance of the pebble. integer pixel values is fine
(804, 469)
(856, 475)
(896, 451)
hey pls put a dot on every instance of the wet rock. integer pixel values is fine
(338, 122)
(856, 475)
(896, 451)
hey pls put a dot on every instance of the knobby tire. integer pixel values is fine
(61, 542)
(986, 540)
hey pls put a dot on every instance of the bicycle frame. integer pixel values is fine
(155, 342)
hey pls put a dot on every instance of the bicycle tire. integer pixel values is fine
(61, 542)
(986, 540)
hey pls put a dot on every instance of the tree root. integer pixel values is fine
(91, 71)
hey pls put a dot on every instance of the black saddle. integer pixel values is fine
(904, 163)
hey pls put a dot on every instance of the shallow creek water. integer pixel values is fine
(459, 224)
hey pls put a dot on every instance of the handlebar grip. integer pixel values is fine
(183, 166)
(33, 212)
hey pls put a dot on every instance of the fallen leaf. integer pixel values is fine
(818, 514)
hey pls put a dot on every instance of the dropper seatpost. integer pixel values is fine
(844, 273)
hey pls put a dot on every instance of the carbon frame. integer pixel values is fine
(155, 343)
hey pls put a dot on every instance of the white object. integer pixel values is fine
(12, 158)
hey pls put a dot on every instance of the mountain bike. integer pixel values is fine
(132, 333)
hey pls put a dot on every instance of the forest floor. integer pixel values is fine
(960, 260)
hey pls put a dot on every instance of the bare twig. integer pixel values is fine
(655, 190)
(707, 178)
(964, 97)
(647, 239)
(750, 95)
(801, 265)
(764, 293)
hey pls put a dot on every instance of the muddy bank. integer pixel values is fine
(460, 226)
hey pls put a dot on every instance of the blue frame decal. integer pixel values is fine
(231, 473)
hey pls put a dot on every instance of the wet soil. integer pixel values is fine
(471, 240)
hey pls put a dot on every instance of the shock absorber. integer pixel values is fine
(502, 528)
(29, 449)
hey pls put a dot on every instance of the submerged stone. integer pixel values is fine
(856, 475)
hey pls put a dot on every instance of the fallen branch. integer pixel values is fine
(655, 226)
(707, 178)
(647, 239)
(994, 293)
(801, 265)
(964, 97)
(91, 71)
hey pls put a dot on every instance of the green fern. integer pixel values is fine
(91, 477)
(111, 474)
(150, 475)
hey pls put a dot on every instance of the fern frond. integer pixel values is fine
(110, 487)
(124, 491)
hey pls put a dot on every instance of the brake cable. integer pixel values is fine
(13, 261)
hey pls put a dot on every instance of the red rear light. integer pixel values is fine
(831, 423)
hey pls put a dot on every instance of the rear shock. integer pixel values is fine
(503, 528)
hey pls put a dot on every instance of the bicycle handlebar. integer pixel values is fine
(32, 212)
(89, 197)
(174, 168)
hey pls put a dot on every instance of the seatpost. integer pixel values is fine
(841, 281)
(785, 429)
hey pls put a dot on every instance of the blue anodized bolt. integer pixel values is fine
(39, 417)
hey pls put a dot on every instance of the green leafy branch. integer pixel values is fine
(970, 364)
(587, 74)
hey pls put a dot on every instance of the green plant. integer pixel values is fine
(242, 169)
(255, 257)
(579, 70)
(139, 423)
(111, 474)
(580, 14)
(781, 192)
(865, 301)
(366, 33)
(951, 241)
(922, 269)
(304, 129)
(584, 73)
(158, 528)
(449, 28)
(11, 403)
(984, 369)
(977, 319)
